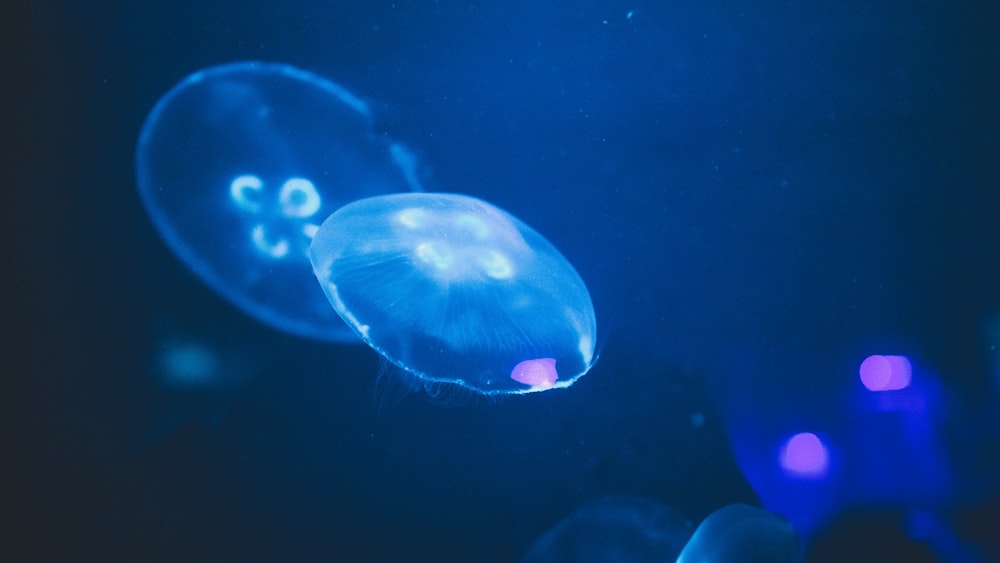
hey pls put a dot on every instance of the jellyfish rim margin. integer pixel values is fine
(431, 384)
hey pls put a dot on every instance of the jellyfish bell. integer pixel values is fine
(238, 164)
(739, 533)
(456, 291)
(622, 529)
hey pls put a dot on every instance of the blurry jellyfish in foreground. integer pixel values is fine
(738, 533)
(634, 529)
(455, 291)
(197, 377)
(238, 164)
(619, 529)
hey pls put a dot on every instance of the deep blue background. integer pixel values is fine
(754, 192)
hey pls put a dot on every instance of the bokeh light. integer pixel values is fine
(804, 455)
(885, 373)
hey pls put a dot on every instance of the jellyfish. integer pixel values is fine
(623, 529)
(737, 533)
(237, 166)
(456, 292)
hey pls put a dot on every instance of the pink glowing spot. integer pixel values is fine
(885, 373)
(539, 374)
(805, 455)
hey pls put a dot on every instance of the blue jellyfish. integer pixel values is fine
(238, 164)
(738, 533)
(622, 529)
(455, 291)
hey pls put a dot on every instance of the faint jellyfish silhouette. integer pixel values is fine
(738, 533)
(197, 374)
(238, 164)
(455, 291)
(617, 528)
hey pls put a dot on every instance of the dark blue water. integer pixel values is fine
(758, 196)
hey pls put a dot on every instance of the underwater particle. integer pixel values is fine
(454, 290)
(187, 363)
(237, 165)
(698, 419)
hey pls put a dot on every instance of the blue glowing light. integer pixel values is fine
(238, 165)
(188, 363)
(880, 444)
(455, 291)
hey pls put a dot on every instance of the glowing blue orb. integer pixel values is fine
(237, 166)
(454, 290)
(739, 533)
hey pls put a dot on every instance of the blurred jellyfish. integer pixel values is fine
(188, 364)
(739, 533)
(196, 376)
(455, 291)
(238, 164)
(618, 528)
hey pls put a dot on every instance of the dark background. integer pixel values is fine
(744, 186)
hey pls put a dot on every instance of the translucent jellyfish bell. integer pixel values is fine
(619, 529)
(454, 290)
(739, 533)
(238, 164)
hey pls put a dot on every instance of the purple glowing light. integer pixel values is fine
(539, 374)
(885, 373)
(804, 456)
